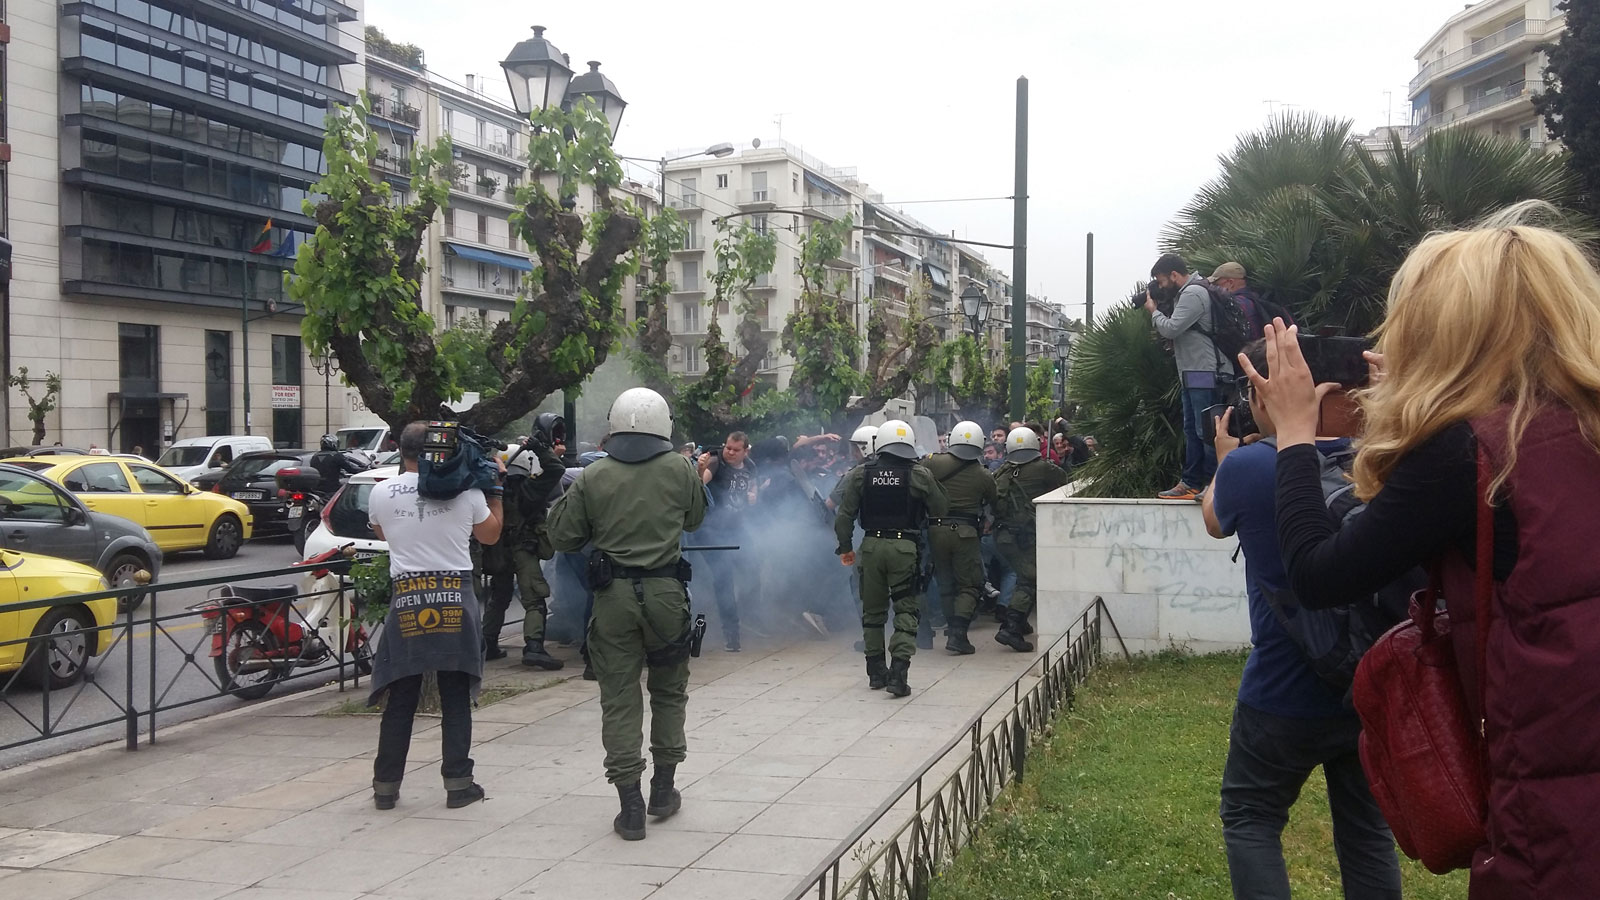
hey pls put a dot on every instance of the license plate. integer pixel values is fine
(366, 554)
(214, 626)
(248, 495)
(294, 512)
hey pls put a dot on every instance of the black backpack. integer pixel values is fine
(1230, 327)
(1334, 640)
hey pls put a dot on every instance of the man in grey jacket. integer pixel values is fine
(1199, 361)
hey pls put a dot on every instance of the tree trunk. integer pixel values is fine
(38, 429)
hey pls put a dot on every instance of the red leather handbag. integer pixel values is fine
(1423, 752)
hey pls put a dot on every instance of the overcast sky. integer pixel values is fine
(1131, 102)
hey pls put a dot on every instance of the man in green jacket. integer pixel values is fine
(1024, 476)
(634, 506)
(894, 498)
(954, 538)
(525, 544)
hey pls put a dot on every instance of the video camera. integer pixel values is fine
(455, 458)
(444, 438)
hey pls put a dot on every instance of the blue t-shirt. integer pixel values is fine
(1277, 678)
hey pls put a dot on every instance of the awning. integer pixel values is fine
(489, 256)
(1421, 100)
(1479, 66)
(823, 186)
(937, 275)
(396, 127)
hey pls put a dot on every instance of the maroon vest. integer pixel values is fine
(1541, 700)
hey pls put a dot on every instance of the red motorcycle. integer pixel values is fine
(259, 635)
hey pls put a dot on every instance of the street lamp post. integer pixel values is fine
(975, 304)
(327, 365)
(540, 78)
(1064, 354)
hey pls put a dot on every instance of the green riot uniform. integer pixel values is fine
(635, 513)
(893, 498)
(954, 538)
(523, 545)
(1017, 485)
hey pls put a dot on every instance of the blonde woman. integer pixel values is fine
(1491, 342)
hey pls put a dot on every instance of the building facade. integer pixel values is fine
(156, 205)
(1482, 68)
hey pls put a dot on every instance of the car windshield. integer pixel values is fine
(362, 438)
(183, 456)
(347, 518)
(31, 466)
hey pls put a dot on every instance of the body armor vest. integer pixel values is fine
(887, 503)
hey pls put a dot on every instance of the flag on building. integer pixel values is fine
(264, 239)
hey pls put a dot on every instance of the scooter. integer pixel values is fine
(259, 635)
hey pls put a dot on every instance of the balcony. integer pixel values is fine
(846, 258)
(764, 198)
(826, 206)
(474, 236)
(686, 203)
(495, 149)
(1505, 37)
(1492, 101)
(479, 190)
(766, 281)
(692, 243)
(507, 287)
(895, 272)
(404, 113)
(387, 161)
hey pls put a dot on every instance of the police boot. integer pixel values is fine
(1011, 633)
(664, 798)
(955, 637)
(896, 685)
(877, 674)
(630, 822)
(533, 655)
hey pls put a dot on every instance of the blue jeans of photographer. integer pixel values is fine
(1199, 455)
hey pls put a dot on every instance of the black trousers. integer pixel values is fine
(394, 734)
(1269, 759)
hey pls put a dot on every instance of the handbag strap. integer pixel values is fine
(1483, 610)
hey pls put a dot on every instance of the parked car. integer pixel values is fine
(176, 514)
(344, 519)
(373, 440)
(252, 480)
(38, 517)
(63, 645)
(41, 450)
(193, 456)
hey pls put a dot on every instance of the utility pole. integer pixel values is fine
(1088, 284)
(244, 340)
(1019, 262)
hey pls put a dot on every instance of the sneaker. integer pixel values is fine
(815, 621)
(463, 797)
(731, 646)
(1180, 491)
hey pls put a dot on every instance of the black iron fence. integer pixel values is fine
(946, 810)
(72, 664)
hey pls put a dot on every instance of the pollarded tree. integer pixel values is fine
(978, 386)
(719, 400)
(899, 350)
(664, 233)
(820, 333)
(360, 278)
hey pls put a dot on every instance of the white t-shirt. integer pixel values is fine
(425, 535)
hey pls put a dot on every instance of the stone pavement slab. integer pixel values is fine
(789, 752)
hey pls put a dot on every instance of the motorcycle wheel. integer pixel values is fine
(245, 641)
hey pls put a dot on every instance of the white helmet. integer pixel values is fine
(862, 438)
(966, 441)
(641, 426)
(518, 460)
(896, 438)
(1022, 445)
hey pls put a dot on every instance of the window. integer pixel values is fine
(759, 223)
(286, 422)
(690, 317)
(690, 192)
(691, 355)
(219, 382)
(691, 275)
(29, 499)
(155, 481)
(138, 358)
(722, 182)
(794, 182)
(97, 478)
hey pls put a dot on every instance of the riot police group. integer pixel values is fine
(899, 524)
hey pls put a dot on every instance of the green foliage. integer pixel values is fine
(466, 345)
(717, 401)
(820, 333)
(1120, 801)
(43, 405)
(1570, 102)
(978, 386)
(1126, 389)
(1321, 224)
(408, 55)
(1041, 398)
(663, 233)
(373, 588)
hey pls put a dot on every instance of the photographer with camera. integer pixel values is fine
(1190, 328)
(634, 506)
(1287, 720)
(429, 515)
(524, 543)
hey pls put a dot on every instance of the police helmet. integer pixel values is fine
(641, 426)
(896, 439)
(329, 442)
(551, 427)
(518, 460)
(862, 438)
(966, 441)
(1022, 445)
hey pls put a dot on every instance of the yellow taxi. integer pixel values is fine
(178, 515)
(64, 636)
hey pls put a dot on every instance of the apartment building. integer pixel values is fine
(1481, 69)
(161, 153)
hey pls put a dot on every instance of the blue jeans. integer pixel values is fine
(1269, 759)
(1199, 455)
(1008, 577)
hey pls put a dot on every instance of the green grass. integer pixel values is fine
(1121, 800)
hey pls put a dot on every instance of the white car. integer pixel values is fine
(192, 457)
(344, 519)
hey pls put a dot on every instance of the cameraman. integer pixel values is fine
(432, 623)
(1189, 327)
(1287, 720)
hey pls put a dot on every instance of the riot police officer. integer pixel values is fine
(955, 538)
(894, 497)
(1024, 476)
(524, 543)
(633, 506)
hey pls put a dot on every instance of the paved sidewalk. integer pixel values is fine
(788, 753)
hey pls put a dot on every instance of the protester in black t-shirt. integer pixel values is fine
(732, 478)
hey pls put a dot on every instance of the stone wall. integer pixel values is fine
(1165, 581)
